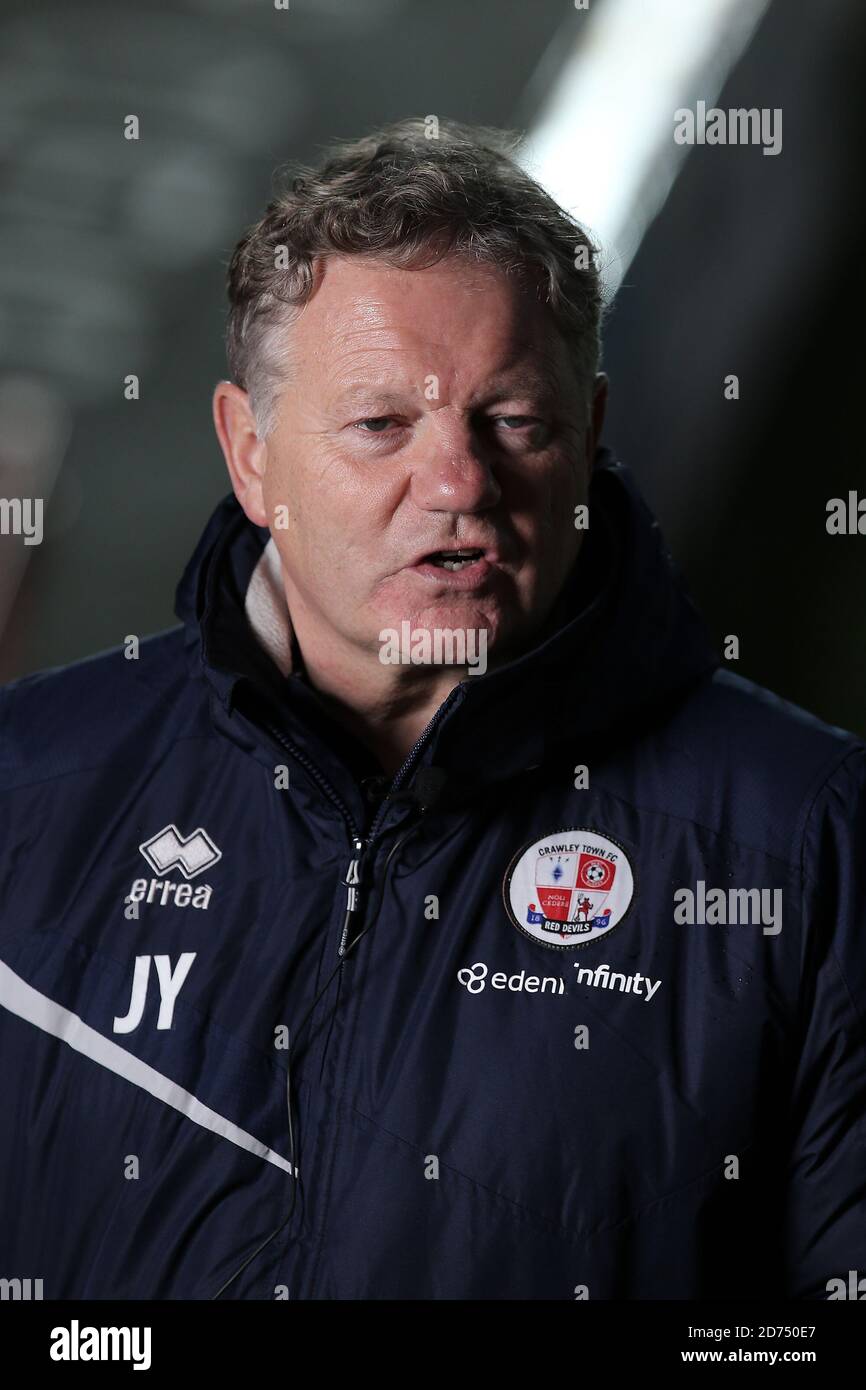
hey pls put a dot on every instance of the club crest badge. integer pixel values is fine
(568, 888)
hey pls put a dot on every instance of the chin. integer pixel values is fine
(455, 615)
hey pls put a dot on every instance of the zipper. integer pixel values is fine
(320, 779)
(354, 880)
(355, 902)
(361, 844)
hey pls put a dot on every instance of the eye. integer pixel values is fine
(375, 420)
(532, 432)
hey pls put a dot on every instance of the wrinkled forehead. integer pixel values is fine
(369, 322)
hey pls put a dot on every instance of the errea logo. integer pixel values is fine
(168, 849)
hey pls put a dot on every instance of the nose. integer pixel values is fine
(452, 468)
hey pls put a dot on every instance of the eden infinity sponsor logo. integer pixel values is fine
(605, 978)
(474, 977)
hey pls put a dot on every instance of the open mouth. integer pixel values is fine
(453, 559)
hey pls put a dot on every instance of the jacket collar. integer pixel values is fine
(623, 642)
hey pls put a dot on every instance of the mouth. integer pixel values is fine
(457, 567)
(453, 559)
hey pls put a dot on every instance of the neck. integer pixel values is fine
(384, 706)
(392, 726)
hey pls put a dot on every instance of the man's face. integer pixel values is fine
(427, 411)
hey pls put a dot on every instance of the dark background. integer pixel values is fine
(113, 255)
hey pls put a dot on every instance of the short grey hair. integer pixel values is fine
(407, 194)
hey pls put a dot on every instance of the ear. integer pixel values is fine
(245, 454)
(596, 424)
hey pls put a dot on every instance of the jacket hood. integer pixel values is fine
(622, 642)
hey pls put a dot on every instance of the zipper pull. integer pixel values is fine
(352, 879)
(353, 895)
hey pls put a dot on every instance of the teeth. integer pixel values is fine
(456, 560)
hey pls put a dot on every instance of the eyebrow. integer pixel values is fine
(521, 384)
(500, 387)
(365, 390)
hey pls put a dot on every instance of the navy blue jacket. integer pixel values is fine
(570, 1008)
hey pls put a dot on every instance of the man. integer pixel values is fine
(553, 939)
